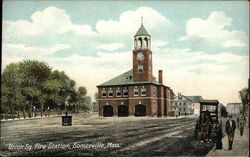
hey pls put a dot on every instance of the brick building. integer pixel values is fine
(136, 92)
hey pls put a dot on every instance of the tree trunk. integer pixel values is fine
(24, 114)
(74, 107)
(18, 113)
(12, 112)
(42, 110)
(29, 113)
(6, 115)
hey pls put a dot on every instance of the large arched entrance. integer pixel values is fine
(107, 111)
(140, 110)
(122, 111)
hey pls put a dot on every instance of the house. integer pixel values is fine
(182, 105)
(195, 107)
(136, 92)
(234, 108)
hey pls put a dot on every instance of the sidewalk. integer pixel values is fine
(29, 118)
(240, 145)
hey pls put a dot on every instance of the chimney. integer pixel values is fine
(160, 76)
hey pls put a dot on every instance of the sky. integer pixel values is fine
(201, 46)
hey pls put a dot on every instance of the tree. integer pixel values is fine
(32, 83)
(243, 97)
(96, 96)
(11, 86)
(223, 111)
(87, 103)
(34, 74)
(81, 93)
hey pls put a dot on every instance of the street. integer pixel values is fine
(91, 135)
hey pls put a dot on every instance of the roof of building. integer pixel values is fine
(195, 98)
(210, 102)
(234, 104)
(182, 97)
(142, 31)
(126, 79)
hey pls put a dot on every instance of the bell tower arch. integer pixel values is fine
(142, 56)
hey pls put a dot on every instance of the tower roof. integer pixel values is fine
(142, 31)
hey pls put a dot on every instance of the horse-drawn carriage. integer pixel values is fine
(208, 122)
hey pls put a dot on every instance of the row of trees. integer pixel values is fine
(243, 96)
(33, 85)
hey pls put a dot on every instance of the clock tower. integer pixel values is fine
(142, 56)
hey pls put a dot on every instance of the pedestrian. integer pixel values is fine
(238, 118)
(242, 122)
(230, 128)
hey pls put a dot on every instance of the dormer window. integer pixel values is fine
(136, 92)
(104, 93)
(143, 92)
(125, 92)
(118, 92)
(140, 68)
(110, 93)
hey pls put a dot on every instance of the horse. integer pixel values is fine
(205, 127)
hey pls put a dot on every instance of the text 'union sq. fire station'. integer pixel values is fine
(136, 92)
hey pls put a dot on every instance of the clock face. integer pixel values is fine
(140, 56)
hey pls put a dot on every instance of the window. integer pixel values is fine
(140, 68)
(110, 93)
(153, 91)
(143, 92)
(118, 92)
(125, 92)
(181, 109)
(104, 93)
(184, 103)
(136, 92)
(184, 109)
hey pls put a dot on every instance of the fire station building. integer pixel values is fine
(136, 92)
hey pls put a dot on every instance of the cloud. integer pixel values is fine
(129, 21)
(50, 20)
(235, 43)
(213, 76)
(90, 62)
(112, 46)
(214, 29)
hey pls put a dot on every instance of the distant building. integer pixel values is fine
(234, 108)
(136, 92)
(182, 105)
(195, 104)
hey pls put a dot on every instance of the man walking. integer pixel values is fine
(230, 128)
(242, 122)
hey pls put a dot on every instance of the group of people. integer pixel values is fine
(231, 126)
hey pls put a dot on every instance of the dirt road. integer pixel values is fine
(91, 135)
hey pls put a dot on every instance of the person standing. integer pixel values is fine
(230, 128)
(242, 122)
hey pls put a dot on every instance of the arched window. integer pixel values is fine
(145, 43)
(149, 43)
(139, 43)
(135, 44)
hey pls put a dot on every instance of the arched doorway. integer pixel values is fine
(107, 111)
(122, 111)
(140, 110)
